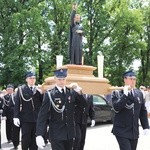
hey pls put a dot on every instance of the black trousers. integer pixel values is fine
(9, 128)
(79, 141)
(28, 136)
(127, 144)
(16, 135)
(61, 144)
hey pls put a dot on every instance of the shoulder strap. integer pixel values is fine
(53, 104)
(117, 94)
(27, 100)
(49, 95)
(20, 90)
(12, 98)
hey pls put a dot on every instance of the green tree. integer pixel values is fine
(33, 32)
(24, 33)
(144, 70)
(124, 45)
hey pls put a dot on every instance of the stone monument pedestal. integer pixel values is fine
(83, 75)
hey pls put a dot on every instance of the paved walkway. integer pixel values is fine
(9, 146)
(98, 138)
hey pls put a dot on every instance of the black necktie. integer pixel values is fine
(132, 93)
(31, 88)
(63, 92)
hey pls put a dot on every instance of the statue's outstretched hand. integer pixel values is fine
(74, 6)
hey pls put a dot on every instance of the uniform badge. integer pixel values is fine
(57, 100)
(56, 91)
(69, 98)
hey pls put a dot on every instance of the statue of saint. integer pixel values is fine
(75, 39)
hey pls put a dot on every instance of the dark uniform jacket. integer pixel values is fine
(7, 110)
(12, 104)
(61, 124)
(27, 104)
(82, 113)
(128, 110)
(1, 103)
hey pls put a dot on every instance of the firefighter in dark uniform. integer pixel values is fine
(16, 129)
(81, 117)
(28, 103)
(58, 104)
(1, 100)
(1, 103)
(129, 107)
(1, 111)
(8, 112)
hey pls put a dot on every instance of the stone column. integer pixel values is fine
(59, 61)
(100, 61)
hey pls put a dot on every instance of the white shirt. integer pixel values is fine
(60, 88)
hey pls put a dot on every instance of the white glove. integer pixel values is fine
(76, 87)
(146, 131)
(16, 122)
(92, 123)
(126, 89)
(4, 118)
(40, 142)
